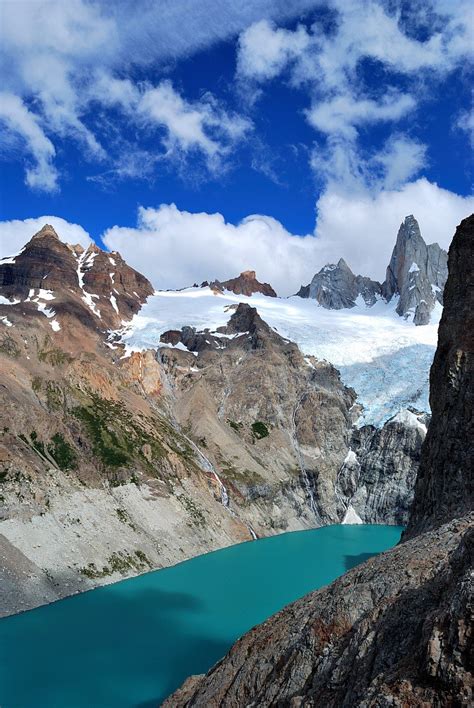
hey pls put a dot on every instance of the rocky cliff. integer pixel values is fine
(397, 630)
(445, 482)
(336, 287)
(416, 275)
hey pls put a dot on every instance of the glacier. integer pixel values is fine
(385, 358)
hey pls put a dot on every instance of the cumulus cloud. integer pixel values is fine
(177, 248)
(343, 114)
(15, 233)
(265, 50)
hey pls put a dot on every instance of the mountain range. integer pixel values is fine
(416, 276)
(139, 428)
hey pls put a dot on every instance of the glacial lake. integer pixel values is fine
(132, 643)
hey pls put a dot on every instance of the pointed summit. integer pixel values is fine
(46, 230)
(416, 273)
(336, 287)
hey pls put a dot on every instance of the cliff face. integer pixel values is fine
(445, 482)
(397, 630)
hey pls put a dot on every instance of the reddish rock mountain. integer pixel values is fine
(245, 284)
(57, 279)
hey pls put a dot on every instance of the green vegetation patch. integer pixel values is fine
(119, 562)
(260, 430)
(62, 453)
(235, 426)
(58, 450)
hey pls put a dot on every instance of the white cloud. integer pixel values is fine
(51, 51)
(465, 123)
(327, 66)
(176, 248)
(400, 159)
(201, 125)
(265, 50)
(341, 115)
(15, 233)
(345, 168)
(21, 122)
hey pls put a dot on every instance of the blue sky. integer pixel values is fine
(328, 121)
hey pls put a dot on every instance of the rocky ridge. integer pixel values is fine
(336, 287)
(397, 630)
(245, 284)
(416, 275)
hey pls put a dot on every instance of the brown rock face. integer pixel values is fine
(397, 630)
(98, 287)
(445, 482)
(276, 426)
(245, 284)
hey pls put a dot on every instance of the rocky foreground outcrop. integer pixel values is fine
(396, 631)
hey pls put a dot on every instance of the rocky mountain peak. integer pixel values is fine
(336, 287)
(416, 273)
(46, 230)
(245, 284)
(53, 277)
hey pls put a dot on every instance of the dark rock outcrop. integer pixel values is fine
(245, 284)
(416, 273)
(445, 482)
(397, 630)
(378, 475)
(336, 287)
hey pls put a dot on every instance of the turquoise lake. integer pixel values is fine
(132, 643)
